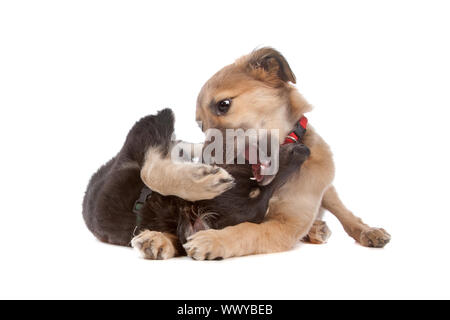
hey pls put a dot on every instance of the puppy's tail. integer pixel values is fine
(154, 131)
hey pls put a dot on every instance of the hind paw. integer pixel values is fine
(319, 233)
(375, 238)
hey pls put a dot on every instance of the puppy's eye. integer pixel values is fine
(223, 106)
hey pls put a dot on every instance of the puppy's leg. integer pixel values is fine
(187, 180)
(285, 225)
(273, 235)
(155, 245)
(362, 233)
(187, 151)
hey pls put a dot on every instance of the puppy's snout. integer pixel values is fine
(301, 149)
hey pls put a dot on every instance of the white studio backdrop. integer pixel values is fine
(76, 75)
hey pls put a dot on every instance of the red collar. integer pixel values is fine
(299, 131)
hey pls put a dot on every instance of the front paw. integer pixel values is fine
(207, 182)
(206, 245)
(153, 245)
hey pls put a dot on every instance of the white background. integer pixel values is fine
(75, 76)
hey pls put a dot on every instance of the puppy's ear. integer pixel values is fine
(270, 65)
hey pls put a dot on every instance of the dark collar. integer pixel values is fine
(139, 204)
(298, 133)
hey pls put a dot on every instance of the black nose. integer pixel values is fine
(301, 149)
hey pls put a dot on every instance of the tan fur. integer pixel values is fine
(254, 193)
(362, 233)
(155, 245)
(262, 98)
(190, 181)
(318, 234)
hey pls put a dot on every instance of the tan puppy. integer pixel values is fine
(256, 92)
